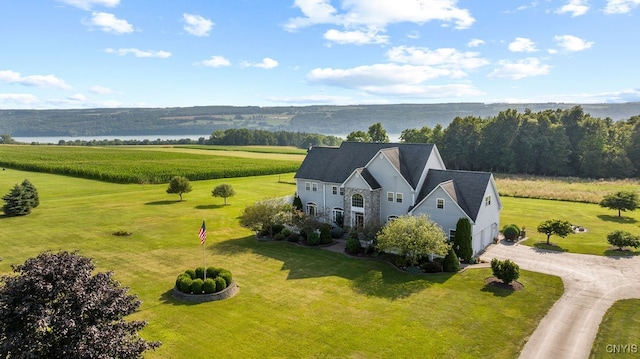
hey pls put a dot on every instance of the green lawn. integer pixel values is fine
(618, 335)
(293, 301)
(597, 220)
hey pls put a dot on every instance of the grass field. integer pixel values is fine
(619, 335)
(294, 302)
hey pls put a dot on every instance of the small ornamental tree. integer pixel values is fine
(223, 190)
(505, 270)
(622, 239)
(265, 215)
(621, 201)
(55, 307)
(555, 226)
(451, 262)
(412, 237)
(462, 240)
(179, 185)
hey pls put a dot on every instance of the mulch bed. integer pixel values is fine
(495, 282)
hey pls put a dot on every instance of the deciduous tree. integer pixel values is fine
(358, 136)
(413, 237)
(179, 185)
(264, 215)
(377, 133)
(223, 190)
(555, 226)
(623, 239)
(55, 307)
(621, 201)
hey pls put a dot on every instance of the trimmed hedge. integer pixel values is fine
(192, 281)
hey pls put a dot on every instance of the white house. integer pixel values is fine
(360, 184)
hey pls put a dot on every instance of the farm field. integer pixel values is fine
(294, 302)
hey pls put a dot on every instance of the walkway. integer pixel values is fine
(591, 285)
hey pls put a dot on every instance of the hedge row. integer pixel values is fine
(194, 282)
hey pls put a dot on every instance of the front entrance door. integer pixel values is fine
(358, 220)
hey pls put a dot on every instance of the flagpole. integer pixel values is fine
(202, 234)
(204, 261)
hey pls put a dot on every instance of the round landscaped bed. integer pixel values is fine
(202, 285)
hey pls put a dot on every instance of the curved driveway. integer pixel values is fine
(591, 285)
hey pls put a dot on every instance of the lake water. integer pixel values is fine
(56, 139)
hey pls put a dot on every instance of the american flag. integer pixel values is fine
(202, 233)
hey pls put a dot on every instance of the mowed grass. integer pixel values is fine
(619, 328)
(294, 302)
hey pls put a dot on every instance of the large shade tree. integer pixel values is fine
(413, 237)
(55, 307)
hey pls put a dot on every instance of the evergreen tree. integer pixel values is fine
(462, 240)
(451, 262)
(31, 193)
(16, 202)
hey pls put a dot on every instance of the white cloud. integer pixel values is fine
(13, 77)
(77, 97)
(197, 25)
(139, 53)
(355, 37)
(216, 61)
(522, 44)
(88, 4)
(17, 99)
(109, 23)
(520, 69)
(572, 43)
(100, 90)
(373, 16)
(574, 7)
(267, 63)
(620, 6)
(475, 43)
(446, 58)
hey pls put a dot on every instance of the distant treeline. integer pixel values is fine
(552, 142)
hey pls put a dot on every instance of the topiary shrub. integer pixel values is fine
(337, 232)
(313, 239)
(184, 283)
(505, 270)
(196, 286)
(220, 283)
(451, 262)
(226, 275)
(511, 232)
(200, 273)
(213, 272)
(325, 234)
(191, 273)
(353, 246)
(209, 286)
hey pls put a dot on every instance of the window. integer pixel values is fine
(334, 189)
(440, 203)
(312, 209)
(452, 234)
(390, 196)
(357, 201)
(314, 187)
(337, 215)
(487, 200)
(342, 191)
(307, 186)
(399, 197)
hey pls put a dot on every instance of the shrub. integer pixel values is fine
(293, 237)
(353, 246)
(325, 234)
(432, 267)
(279, 237)
(200, 273)
(511, 232)
(622, 239)
(505, 270)
(209, 286)
(184, 283)
(313, 239)
(220, 283)
(277, 228)
(196, 286)
(451, 262)
(191, 273)
(226, 275)
(213, 272)
(286, 232)
(337, 232)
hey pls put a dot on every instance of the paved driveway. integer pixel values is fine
(591, 285)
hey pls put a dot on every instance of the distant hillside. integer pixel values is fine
(315, 119)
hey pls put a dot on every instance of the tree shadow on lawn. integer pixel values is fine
(621, 254)
(368, 276)
(210, 206)
(543, 247)
(160, 203)
(616, 219)
(167, 298)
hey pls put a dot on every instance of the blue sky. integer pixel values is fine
(169, 53)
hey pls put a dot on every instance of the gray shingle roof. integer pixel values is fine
(468, 188)
(335, 164)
